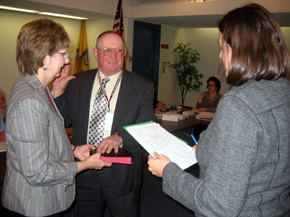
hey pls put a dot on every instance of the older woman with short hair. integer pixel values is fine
(39, 180)
(244, 153)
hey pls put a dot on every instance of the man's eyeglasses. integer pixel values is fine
(212, 85)
(65, 55)
(109, 51)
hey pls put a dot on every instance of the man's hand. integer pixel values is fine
(109, 143)
(59, 84)
(156, 166)
(83, 152)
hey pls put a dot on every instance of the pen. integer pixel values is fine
(194, 139)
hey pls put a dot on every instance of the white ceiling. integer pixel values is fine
(160, 1)
(203, 21)
(188, 21)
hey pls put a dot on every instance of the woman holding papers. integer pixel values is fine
(39, 180)
(209, 100)
(244, 153)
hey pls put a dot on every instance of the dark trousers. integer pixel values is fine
(15, 214)
(94, 194)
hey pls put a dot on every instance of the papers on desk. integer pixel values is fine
(206, 116)
(169, 116)
(159, 114)
(154, 138)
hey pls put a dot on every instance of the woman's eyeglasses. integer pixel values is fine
(65, 55)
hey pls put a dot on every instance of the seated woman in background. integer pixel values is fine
(208, 101)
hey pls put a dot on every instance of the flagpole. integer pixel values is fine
(121, 15)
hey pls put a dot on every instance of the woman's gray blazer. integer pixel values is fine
(39, 180)
(244, 156)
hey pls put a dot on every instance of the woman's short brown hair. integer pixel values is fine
(258, 46)
(37, 39)
(216, 81)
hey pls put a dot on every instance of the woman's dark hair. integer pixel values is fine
(37, 39)
(216, 81)
(258, 46)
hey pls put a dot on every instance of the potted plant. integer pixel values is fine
(187, 74)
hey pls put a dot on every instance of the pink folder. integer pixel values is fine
(123, 157)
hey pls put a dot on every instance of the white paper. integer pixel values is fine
(155, 138)
(109, 121)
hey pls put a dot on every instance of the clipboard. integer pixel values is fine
(154, 138)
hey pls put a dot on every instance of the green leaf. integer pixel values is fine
(188, 77)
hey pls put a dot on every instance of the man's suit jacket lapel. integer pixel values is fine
(85, 100)
(123, 99)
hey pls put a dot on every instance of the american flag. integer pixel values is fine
(118, 24)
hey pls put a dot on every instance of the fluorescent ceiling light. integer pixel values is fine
(18, 9)
(62, 15)
(43, 13)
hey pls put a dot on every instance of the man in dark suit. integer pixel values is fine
(129, 101)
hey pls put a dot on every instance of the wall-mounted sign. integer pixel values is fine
(164, 46)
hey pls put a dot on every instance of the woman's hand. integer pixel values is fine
(200, 109)
(201, 95)
(93, 162)
(83, 152)
(156, 166)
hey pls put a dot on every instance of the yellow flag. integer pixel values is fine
(82, 59)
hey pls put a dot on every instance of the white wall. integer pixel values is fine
(94, 28)
(168, 89)
(204, 40)
(10, 25)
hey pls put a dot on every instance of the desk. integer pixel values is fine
(181, 125)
